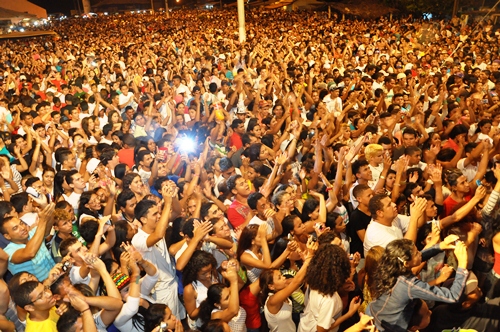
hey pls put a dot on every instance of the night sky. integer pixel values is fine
(56, 6)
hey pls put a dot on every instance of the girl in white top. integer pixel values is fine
(328, 270)
(198, 275)
(223, 302)
(276, 289)
(253, 251)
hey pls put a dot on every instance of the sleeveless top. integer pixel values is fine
(250, 303)
(282, 321)
(237, 324)
(201, 294)
(253, 273)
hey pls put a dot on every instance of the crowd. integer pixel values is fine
(325, 175)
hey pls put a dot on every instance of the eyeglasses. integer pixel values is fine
(46, 290)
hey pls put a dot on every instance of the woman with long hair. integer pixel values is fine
(48, 176)
(397, 286)
(275, 293)
(134, 182)
(198, 275)
(253, 251)
(367, 273)
(223, 302)
(326, 274)
(160, 313)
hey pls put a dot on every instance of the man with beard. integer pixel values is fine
(144, 162)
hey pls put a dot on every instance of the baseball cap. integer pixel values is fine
(63, 119)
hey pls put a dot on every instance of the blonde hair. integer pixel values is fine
(371, 150)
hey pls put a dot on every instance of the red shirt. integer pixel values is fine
(127, 157)
(250, 303)
(235, 140)
(451, 144)
(449, 203)
(236, 214)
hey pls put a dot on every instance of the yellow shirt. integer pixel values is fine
(47, 325)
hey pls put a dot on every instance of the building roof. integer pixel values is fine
(104, 3)
(8, 14)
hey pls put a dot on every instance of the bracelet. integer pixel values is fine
(329, 189)
(382, 177)
(81, 313)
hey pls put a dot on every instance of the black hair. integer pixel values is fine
(142, 208)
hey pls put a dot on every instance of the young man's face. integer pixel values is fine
(76, 251)
(378, 158)
(64, 226)
(78, 182)
(409, 140)
(151, 218)
(365, 196)
(41, 299)
(364, 173)
(130, 206)
(21, 143)
(415, 158)
(71, 161)
(241, 188)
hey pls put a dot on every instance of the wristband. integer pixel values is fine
(81, 313)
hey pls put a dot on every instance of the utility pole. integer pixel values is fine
(241, 21)
(455, 9)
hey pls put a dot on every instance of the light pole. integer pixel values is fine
(241, 21)
(166, 8)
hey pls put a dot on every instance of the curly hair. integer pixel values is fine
(392, 266)
(214, 294)
(328, 269)
(199, 260)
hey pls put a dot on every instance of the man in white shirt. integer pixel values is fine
(150, 242)
(181, 88)
(387, 225)
(333, 101)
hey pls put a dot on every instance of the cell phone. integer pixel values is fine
(163, 327)
(484, 101)
(32, 192)
(311, 133)
(478, 183)
(66, 266)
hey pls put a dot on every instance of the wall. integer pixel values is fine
(24, 6)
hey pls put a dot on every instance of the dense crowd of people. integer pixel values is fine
(324, 175)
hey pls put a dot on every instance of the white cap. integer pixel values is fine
(92, 165)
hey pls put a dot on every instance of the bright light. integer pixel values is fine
(22, 30)
(106, 13)
(186, 145)
(132, 12)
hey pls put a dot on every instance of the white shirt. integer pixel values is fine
(321, 310)
(469, 171)
(166, 289)
(376, 172)
(73, 199)
(380, 235)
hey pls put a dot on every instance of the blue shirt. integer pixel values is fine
(39, 266)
